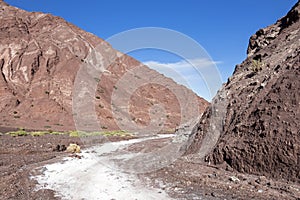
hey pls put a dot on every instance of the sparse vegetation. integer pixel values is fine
(74, 134)
(22, 132)
(56, 133)
(120, 133)
(38, 133)
(116, 133)
(256, 65)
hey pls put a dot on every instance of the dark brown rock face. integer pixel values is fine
(259, 124)
(39, 58)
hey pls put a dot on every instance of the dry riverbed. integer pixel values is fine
(30, 169)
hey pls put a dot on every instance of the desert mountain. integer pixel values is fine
(40, 56)
(253, 123)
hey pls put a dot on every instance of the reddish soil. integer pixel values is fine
(20, 155)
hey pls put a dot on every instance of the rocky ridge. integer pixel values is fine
(253, 124)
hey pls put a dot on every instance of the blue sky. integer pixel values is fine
(222, 28)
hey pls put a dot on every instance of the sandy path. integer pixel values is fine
(96, 177)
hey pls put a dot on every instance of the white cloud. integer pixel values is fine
(191, 73)
(198, 63)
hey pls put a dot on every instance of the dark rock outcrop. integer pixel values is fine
(40, 55)
(258, 129)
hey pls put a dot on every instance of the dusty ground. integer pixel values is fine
(20, 155)
(195, 181)
(187, 180)
(181, 180)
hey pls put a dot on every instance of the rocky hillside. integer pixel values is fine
(40, 56)
(253, 124)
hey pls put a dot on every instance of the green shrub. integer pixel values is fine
(106, 133)
(257, 65)
(56, 133)
(20, 132)
(120, 133)
(38, 133)
(73, 134)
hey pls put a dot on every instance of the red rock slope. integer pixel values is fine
(40, 55)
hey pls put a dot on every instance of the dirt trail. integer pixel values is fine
(96, 176)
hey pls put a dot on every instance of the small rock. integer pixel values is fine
(259, 191)
(234, 179)
(212, 175)
(162, 185)
(60, 148)
(76, 156)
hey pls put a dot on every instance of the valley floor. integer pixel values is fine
(30, 169)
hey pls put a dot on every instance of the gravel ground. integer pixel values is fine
(26, 156)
